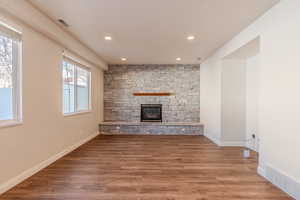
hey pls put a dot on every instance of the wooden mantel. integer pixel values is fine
(152, 94)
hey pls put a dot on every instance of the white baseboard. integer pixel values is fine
(220, 143)
(213, 139)
(29, 172)
(280, 179)
(252, 144)
(232, 144)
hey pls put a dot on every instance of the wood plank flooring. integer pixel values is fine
(149, 168)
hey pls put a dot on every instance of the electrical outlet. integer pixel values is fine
(246, 153)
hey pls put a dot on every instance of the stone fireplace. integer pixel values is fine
(151, 113)
(152, 99)
(121, 82)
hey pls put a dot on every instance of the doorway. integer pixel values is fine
(240, 83)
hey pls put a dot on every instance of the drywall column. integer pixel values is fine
(252, 85)
(233, 102)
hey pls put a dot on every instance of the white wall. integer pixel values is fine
(45, 131)
(233, 97)
(210, 98)
(252, 86)
(279, 97)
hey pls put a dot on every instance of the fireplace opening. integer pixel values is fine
(151, 113)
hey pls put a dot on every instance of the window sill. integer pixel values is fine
(77, 113)
(10, 123)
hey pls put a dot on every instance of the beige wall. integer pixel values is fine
(24, 11)
(45, 131)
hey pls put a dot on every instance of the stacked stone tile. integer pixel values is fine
(121, 81)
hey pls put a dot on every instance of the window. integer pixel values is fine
(76, 87)
(10, 80)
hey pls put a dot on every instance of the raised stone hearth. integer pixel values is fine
(144, 128)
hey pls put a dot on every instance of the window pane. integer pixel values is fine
(6, 79)
(83, 86)
(68, 87)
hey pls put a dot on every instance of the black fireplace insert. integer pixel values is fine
(151, 113)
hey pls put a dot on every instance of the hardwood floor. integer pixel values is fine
(148, 168)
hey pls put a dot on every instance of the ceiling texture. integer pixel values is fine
(154, 31)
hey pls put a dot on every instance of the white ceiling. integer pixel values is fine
(155, 31)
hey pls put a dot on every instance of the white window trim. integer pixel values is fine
(77, 113)
(10, 123)
(17, 76)
(76, 64)
(10, 32)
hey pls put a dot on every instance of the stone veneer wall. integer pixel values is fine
(121, 81)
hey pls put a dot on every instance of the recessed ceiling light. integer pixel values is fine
(178, 59)
(191, 37)
(108, 38)
(123, 59)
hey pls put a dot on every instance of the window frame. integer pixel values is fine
(76, 65)
(16, 37)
